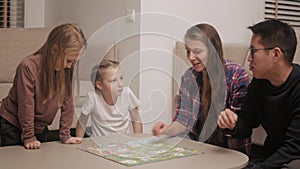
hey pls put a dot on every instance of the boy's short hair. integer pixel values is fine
(97, 71)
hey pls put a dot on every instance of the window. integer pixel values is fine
(11, 13)
(285, 10)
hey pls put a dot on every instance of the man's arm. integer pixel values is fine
(290, 150)
(174, 129)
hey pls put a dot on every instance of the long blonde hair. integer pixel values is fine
(68, 38)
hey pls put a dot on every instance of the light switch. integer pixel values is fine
(130, 16)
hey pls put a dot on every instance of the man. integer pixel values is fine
(273, 96)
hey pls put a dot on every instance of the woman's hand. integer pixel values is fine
(159, 128)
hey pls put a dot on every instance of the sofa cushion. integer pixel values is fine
(236, 52)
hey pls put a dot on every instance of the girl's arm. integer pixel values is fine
(25, 81)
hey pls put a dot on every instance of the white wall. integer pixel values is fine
(90, 15)
(229, 17)
(34, 13)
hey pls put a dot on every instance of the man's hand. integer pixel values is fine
(227, 119)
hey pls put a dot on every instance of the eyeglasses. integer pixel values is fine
(252, 50)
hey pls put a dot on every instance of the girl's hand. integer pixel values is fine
(33, 145)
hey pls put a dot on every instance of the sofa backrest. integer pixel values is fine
(15, 44)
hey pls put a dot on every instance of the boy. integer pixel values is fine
(111, 106)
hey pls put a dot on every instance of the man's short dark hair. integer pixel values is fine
(275, 33)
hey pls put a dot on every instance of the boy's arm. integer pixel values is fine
(136, 121)
(80, 127)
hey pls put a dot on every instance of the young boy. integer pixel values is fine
(112, 106)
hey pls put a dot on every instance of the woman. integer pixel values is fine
(42, 85)
(202, 85)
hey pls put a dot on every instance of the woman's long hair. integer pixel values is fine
(69, 39)
(210, 37)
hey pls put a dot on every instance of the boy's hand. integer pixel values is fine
(74, 140)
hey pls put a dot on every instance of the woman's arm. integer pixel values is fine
(174, 129)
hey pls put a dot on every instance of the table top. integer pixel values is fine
(56, 155)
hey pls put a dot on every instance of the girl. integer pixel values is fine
(42, 85)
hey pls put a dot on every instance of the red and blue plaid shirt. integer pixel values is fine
(189, 102)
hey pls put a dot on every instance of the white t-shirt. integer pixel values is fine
(106, 119)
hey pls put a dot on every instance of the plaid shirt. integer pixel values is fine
(189, 101)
